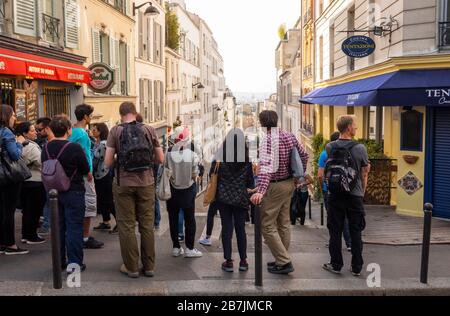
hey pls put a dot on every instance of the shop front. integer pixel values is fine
(415, 103)
(38, 81)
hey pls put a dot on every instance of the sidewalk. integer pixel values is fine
(400, 266)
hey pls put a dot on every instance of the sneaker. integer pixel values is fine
(243, 265)
(176, 252)
(69, 272)
(349, 249)
(103, 226)
(148, 274)
(180, 238)
(356, 274)
(227, 266)
(2, 250)
(35, 241)
(11, 251)
(271, 264)
(43, 232)
(194, 253)
(114, 231)
(156, 227)
(284, 269)
(23, 241)
(329, 267)
(124, 270)
(92, 243)
(205, 241)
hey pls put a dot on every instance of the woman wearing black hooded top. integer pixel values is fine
(235, 178)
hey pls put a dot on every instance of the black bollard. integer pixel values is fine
(56, 249)
(321, 214)
(428, 209)
(258, 247)
(309, 207)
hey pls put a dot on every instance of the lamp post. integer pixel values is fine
(151, 10)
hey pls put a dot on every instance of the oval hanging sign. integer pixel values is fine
(358, 46)
(102, 78)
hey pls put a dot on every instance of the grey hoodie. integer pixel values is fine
(183, 164)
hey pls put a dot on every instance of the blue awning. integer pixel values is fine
(400, 88)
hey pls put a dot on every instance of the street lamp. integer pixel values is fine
(198, 85)
(151, 10)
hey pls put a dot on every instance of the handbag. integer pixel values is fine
(211, 189)
(163, 191)
(12, 172)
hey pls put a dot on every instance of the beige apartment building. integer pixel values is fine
(173, 88)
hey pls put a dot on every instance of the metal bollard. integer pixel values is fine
(56, 242)
(321, 214)
(428, 209)
(309, 207)
(258, 248)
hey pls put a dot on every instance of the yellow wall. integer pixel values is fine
(406, 204)
(392, 140)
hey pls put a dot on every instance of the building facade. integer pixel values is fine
(414, 43)
(41, 69)
(173, 87)
(107, 30)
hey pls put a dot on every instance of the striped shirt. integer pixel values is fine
(275, 157)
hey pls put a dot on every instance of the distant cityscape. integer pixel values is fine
(251, 97)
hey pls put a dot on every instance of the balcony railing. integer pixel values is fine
(307, 72)
(50, 27)
(444, 34)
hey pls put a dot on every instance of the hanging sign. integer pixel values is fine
(102, 78)
(358, 46)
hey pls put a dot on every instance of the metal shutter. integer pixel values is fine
(441, 163)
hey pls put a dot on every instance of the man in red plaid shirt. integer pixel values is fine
(275, 188)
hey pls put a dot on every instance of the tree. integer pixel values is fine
(172, 29)
(282, 32)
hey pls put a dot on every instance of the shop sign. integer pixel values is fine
(358, 46)
(441, 95)
(102, 78)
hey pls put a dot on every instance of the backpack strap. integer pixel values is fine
(62, 150)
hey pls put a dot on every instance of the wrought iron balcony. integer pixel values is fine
(444, 34)
(50, 27)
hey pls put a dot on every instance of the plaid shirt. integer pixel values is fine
(276, 164)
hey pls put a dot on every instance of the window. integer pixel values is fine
(444, 23)
(123, 68)
(331, 43)
(411, 131)
(157, 43)
(321, 58)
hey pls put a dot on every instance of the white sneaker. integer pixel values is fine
(194, 253)
(205, 241)
(176, 252)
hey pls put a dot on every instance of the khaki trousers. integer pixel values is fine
(275, 219)
(136, 204)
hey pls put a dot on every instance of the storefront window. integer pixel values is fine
(412, 131)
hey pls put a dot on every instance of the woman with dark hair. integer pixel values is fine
(103, 178)
(235, 181)
(32, 195)
(9, 194)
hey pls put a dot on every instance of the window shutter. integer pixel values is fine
(128, 59)
(25, 17)
(150, 100)
(141, 96)
(141, 34)
(118, 74)
(148, 41)
(71, 15)
(162, 105)
(96, 46)
(128, 7)
(112, 63)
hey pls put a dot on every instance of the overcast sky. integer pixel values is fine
(247, 34)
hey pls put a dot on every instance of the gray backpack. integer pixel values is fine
(53, 175)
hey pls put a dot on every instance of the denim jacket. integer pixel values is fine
(9, 144)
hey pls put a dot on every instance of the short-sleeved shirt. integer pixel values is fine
(132, 179)
(81, 137)
(361, 158)
(322, 164)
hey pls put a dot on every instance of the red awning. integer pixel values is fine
(23, 64)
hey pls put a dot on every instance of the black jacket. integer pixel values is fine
(232, 184)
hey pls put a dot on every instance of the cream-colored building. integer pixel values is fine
(150, 65)
(173, 87)
(106, 30)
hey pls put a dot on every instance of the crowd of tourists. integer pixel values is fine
(124, 173)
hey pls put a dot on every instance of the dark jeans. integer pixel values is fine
(232, 216)
(105, 200)
(157, 212)
(71, 216)
(33, 198)
(8, 200)
(347, 237)
(212, 211)
(351, 207)
(302, 200)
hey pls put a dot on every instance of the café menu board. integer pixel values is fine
(20, 97)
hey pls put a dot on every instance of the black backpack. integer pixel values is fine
(341, 170)
(136, 149)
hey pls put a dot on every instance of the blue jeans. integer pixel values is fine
(181, 223)
(71, 216)
(157, 213)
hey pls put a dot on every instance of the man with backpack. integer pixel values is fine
(346, 173)
(138, 149)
